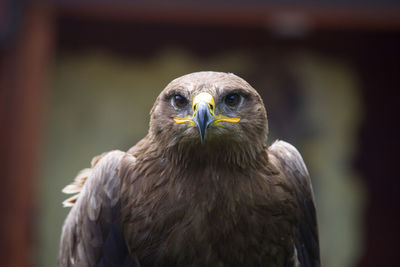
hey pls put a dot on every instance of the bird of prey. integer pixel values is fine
(203, 188)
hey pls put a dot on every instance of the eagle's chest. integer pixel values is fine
(208, 228)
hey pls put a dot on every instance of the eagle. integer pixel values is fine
(203, 188)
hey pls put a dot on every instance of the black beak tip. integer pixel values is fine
(203, 137)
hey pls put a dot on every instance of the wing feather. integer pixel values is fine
(306, 232)
(93, 223)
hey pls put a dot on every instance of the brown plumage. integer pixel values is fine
(201, 189)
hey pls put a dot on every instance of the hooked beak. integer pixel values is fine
(203, 118)
(204, 114)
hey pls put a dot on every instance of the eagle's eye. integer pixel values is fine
(232, 100)
(179, 101)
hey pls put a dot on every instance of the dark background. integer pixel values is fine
(36, 35)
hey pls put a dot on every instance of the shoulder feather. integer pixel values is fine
(94, 220)
(76, 186)
(295, 171)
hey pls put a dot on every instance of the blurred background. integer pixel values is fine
(79, 77)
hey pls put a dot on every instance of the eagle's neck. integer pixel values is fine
(209, 161)
(216, 154)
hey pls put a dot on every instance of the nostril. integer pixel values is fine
(211, 107)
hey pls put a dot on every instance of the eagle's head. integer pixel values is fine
(209, 111)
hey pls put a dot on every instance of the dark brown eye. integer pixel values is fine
(232, 100)
(179, 101)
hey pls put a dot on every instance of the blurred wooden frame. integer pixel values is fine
(242, 14)
(23, 69)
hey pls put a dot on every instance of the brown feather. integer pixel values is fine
(79, 181)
